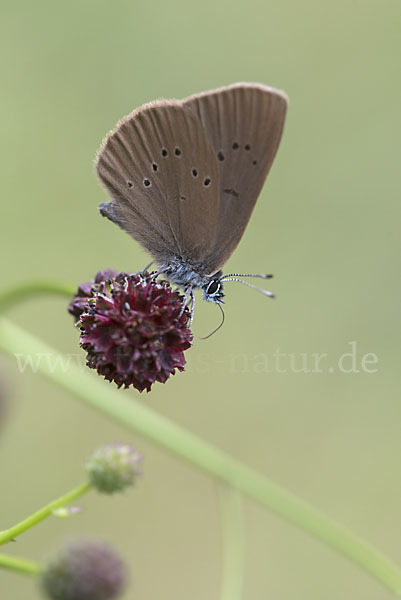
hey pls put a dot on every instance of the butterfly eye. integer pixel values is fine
(146, 182)
(164, 152)
(235, 146)
(207, 182)
(213, 287)
(220, 155)
(155, 166)
(247, 147)
(177, 152)
(129, 184)
(255, 162)
(194, 173)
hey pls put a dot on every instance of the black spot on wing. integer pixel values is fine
(231, 192)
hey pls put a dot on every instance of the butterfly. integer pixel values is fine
(184, 177)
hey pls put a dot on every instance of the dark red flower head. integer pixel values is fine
(79, 303)
(135, 330)
(84, 570)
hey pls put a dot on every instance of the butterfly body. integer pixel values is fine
(186, 276)
(184, 176)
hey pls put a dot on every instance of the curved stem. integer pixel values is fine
(232, 542)
(141, 419)
(23, 291)
(43, 513)
(28, 567)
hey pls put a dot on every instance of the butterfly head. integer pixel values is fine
(213, 289)
(190, 278)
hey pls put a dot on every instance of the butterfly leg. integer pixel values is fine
(147, 266)
(152, 275)
(192, 307)
(188, 292)
(189, 298)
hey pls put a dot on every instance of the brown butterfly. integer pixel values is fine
(184, 177)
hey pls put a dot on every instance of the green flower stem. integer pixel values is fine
(43, 513)
(124, 409)
(12, 563)
(232, 543)
(24, 291)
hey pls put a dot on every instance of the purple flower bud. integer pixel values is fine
(83, 570)
(114, 467)
(134, 330)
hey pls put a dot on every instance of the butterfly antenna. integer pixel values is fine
(260, 275)
(254, 287)
(217, 328)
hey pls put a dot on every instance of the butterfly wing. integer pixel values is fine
(244, 123)
(162, 173)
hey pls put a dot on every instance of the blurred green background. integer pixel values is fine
(327, 226)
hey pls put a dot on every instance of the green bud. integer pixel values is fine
(113, 467)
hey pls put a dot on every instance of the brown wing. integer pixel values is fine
(162, 173)
(244, 123)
